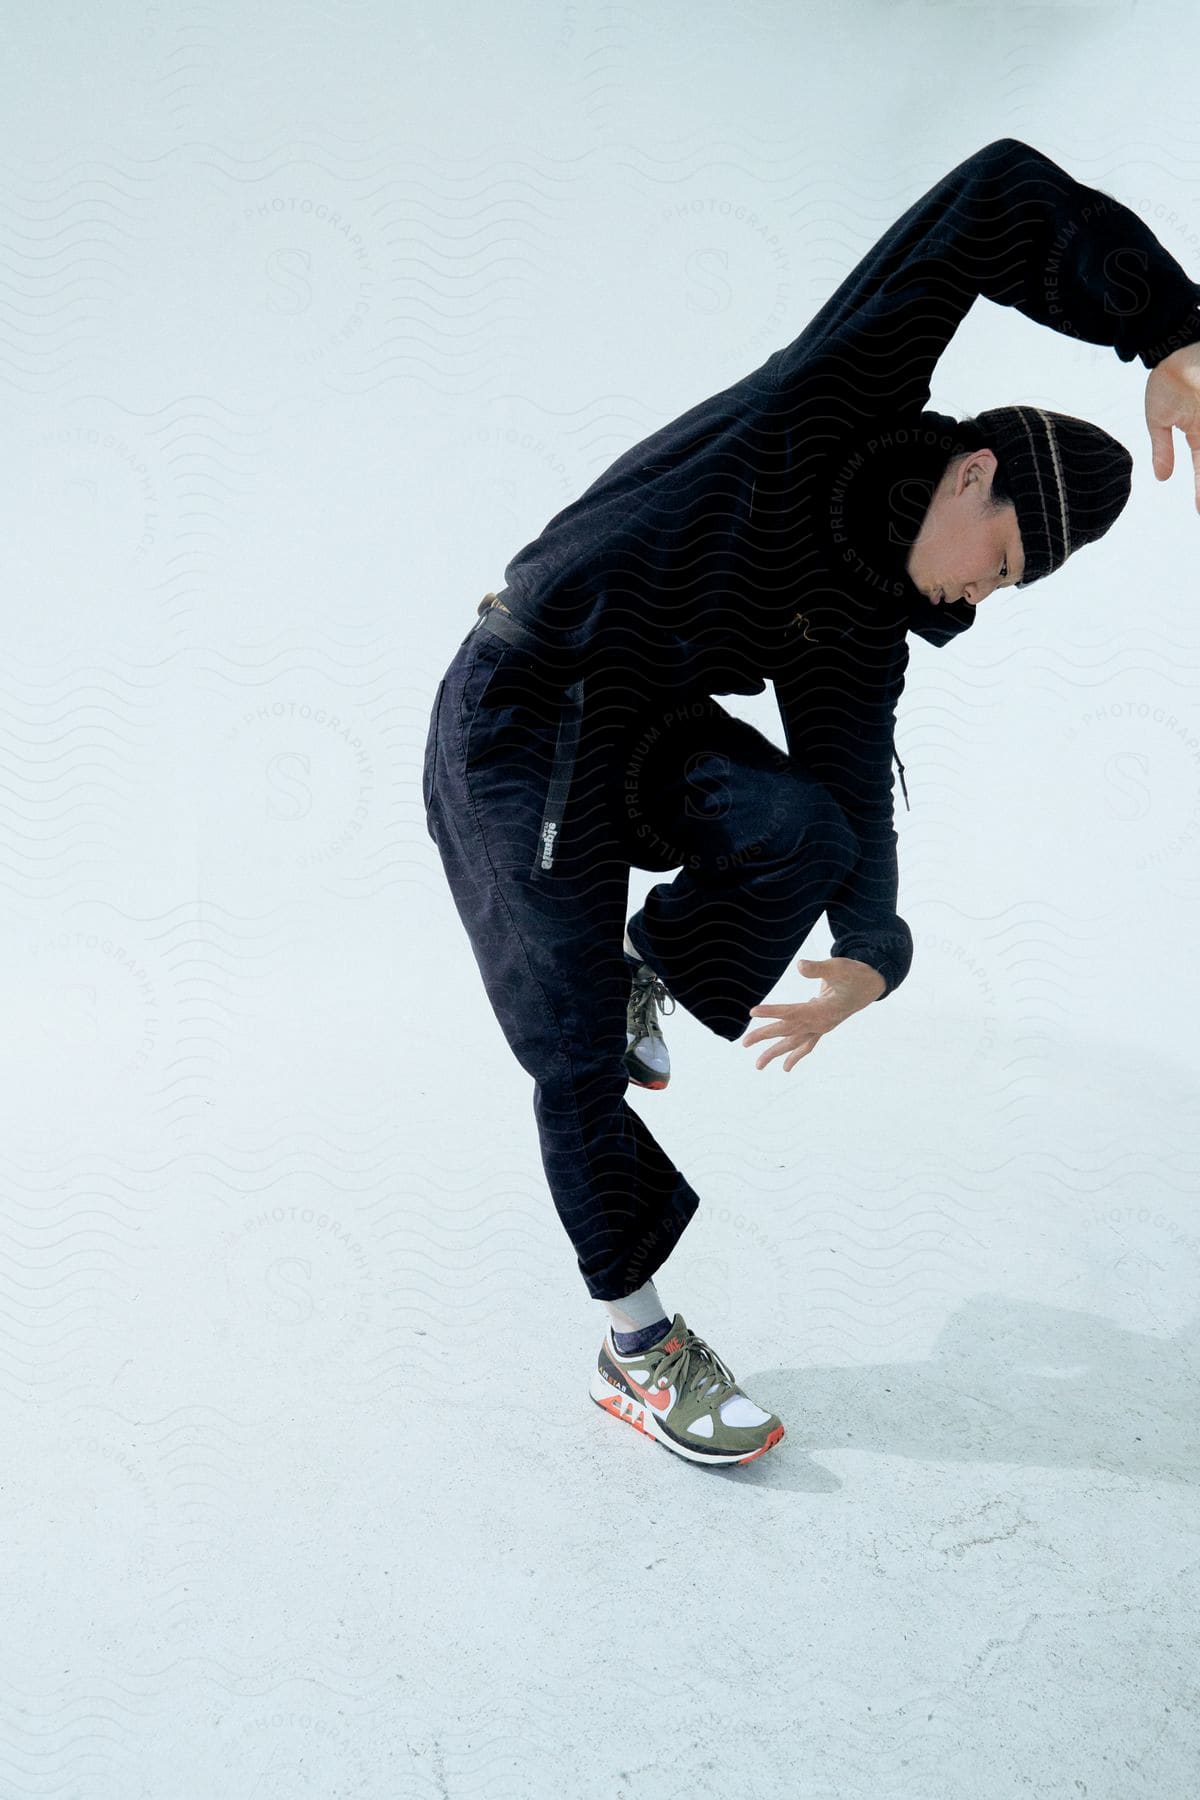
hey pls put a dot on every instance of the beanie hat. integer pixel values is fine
(1069, 480)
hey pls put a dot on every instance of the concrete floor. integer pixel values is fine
(305, 1493)
(302, 1495)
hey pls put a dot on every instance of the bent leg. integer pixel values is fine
(762, 848)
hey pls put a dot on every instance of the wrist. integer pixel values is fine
(870, 979)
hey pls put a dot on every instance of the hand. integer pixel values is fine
(847, 985)
(1173, 403)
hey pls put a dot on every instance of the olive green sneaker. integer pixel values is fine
(680, 1393)
(646, 1061)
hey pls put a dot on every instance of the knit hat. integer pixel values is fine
(1069, 480)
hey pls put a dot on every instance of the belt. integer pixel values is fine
(496, 616)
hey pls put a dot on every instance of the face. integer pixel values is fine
(966, 549)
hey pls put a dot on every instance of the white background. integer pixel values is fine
(310, 317)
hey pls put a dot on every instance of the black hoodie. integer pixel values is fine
(762, 534)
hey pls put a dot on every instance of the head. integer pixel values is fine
(969, 543)
(1026, 491)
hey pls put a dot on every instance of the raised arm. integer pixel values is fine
(1013, 226)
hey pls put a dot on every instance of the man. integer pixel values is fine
(794, 527)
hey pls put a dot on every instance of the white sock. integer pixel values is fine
(637, 1310)
(630, 951)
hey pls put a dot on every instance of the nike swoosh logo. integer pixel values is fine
(658, 1398)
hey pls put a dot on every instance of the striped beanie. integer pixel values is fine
(1068, 479)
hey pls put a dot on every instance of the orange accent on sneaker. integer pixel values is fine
(672, 1344)
(652, 1087)
(623, 1408)
(658, 1398)
(773, 1439)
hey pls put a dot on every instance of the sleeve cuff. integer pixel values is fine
(1186, 330)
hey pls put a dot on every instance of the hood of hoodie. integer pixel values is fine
(879, 488)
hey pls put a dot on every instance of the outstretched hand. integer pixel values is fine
(1173, 404)
(847, 985)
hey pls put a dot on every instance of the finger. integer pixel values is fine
(788, 1032)
(778, 1025)
(1162, 451)
(783, 1050)
(785, 1016)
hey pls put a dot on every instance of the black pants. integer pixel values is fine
(682, 785)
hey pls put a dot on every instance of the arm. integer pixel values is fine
(839, 721)
(1011, 225)
(862, 914)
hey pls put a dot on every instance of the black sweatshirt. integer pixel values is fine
(762, 534)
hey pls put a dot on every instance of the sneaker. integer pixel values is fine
(680, 1393)
(646, 1061)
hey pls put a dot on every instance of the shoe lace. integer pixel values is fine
(648, 993)
(695, 1365)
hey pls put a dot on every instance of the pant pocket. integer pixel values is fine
(477, 722)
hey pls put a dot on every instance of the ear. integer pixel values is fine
(983, 465)
(967, 474)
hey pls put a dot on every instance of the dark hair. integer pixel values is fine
(973, 437)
